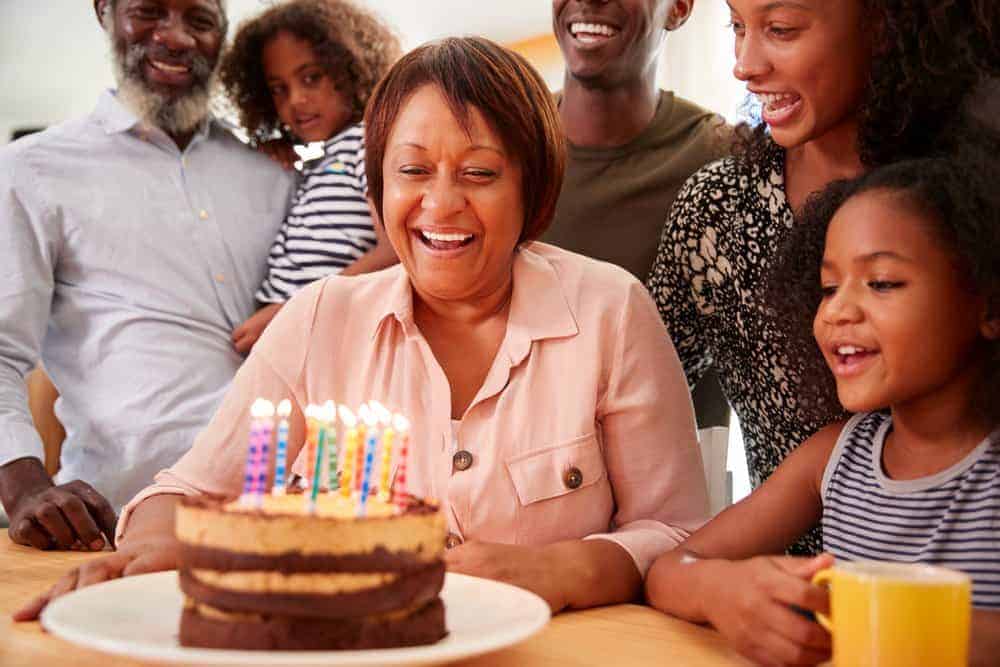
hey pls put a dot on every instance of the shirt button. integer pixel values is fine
(452, 541)
(573, 478)
(219, 278)
(462, 460)
(203, 214)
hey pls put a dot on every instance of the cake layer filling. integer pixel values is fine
(260, 533)
(273, 582)
(206, 627)
(378, 560)
(402, 591)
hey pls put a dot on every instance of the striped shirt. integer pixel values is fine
(328, 225)
(951, 518)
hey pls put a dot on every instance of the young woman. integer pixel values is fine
(844, 87)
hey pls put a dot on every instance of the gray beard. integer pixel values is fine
(177, 115)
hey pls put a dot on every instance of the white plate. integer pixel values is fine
(139, 617)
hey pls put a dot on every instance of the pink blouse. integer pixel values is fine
(582, 428)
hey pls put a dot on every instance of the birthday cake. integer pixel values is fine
(359, 566)
(276, 578)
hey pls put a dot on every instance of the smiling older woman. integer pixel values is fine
(516, 361)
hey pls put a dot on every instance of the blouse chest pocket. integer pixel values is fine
(562, 491)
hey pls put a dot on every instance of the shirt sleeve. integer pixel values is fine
(215, 465)
(677, 278)
(29, 246)
(650, 447)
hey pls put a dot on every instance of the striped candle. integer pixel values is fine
(312, 434)
(365, 424)
(366, 484)
(281, 455)
(330, 417)
(398, 491)
(318, 464)
(265, 431)
(350, 422)
(257, 412)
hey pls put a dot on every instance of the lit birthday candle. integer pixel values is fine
(312, 435)
(399, 491)
(366, 430)
(281, 453)
(350, 422)
(330, 416)
(317, 468)
(258, 412)
(388, 436)
(266, 430)
(369, 461)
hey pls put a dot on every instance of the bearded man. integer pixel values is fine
(131, 243)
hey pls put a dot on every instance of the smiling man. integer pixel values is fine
(131, 242)
(631, 145)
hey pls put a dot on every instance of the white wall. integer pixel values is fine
(53, 54)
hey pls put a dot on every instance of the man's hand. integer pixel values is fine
(751, 604)
(153, 555)
(45, 516)
(246, 335)
(523, 566)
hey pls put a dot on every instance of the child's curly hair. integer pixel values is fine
(958, 191)
(929, 55)
(351, 43)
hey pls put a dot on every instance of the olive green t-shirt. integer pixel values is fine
(615, 201)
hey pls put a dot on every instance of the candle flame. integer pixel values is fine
(313, 411)
(368, 415)
(284, 408)
(381, 412)
(329, 412)
(347, 417)
(262, 409)
(401, 423)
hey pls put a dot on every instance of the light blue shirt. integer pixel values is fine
(126, 264)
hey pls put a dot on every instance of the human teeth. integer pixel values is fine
(775, 99)
(180, 69)
(593, 29)
(848, 350)
(435, 236)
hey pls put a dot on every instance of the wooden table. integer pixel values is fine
(621, 635)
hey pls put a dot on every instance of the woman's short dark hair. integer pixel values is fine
(350, 43)
(957, 192)
(473, 72)
(928, 56)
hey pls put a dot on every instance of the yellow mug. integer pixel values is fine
(897, 615)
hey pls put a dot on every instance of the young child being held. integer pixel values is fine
(303, 70)
(899, 274)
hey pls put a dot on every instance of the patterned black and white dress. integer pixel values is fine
(723, 234)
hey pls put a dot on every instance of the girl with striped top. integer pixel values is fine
(303, 70)
(897, 276)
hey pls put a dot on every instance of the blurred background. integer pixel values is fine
(54, 62)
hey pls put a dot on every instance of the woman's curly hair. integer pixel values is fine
(958, 191)
(351, 43)
(928, 55)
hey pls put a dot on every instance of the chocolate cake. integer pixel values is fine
(275, 577)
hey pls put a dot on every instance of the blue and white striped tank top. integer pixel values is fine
(951, 518)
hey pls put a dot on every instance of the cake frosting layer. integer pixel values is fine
(289, 562)
(275, 529)
(205, 627)
(412, 589)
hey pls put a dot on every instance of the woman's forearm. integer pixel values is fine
(152, 519)
(596, 572)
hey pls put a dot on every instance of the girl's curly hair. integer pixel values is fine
(957, 190)
(351, 43)
(928, 55)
